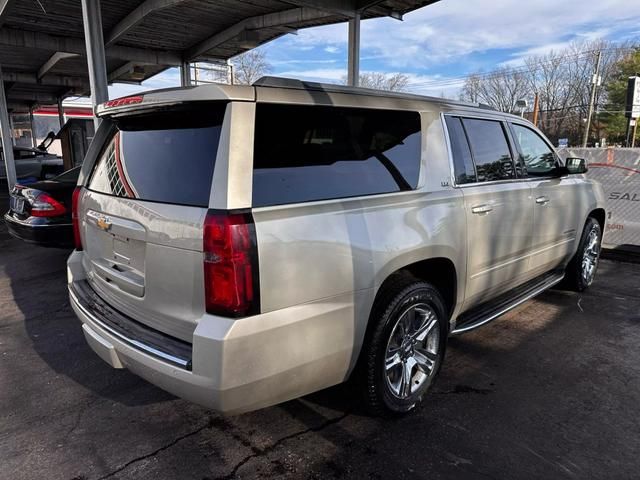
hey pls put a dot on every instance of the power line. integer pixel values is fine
(453, 81)
(523, 69)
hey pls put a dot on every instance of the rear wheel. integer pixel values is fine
(581, 270)
(405, 348)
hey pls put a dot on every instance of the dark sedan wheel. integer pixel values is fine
(405, 347)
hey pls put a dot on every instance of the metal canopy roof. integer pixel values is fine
(43, 54)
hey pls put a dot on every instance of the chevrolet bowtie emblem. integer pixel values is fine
(103, 223)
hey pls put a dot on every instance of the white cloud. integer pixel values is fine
(454, 28)
(294, 61)
(330, 75)
(437, 36)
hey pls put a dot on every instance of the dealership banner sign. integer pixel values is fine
(618, 170)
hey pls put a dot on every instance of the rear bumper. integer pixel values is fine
(54, 235)
(238, 365)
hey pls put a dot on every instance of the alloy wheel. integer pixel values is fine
(590, 256)
(412, 350)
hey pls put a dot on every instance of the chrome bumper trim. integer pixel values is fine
(181, 362)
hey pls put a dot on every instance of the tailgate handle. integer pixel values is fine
(126, 280)
(117, 226)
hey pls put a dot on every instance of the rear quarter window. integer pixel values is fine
(165, 156)
(307, 153)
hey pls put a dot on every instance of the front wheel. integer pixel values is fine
(581, 271)
(406, 347)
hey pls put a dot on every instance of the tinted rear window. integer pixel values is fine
(462, 160)
(490, 149)
(165, 156)
(306, 153)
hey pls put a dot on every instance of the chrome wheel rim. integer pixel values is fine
(412, 350)
(590, 256)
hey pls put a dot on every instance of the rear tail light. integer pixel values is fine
(230, 264)
(42, 204)
(75, 218)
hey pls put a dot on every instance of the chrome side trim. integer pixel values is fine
(506, 309)
(130, 341)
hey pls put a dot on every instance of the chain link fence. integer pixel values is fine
(618, 170)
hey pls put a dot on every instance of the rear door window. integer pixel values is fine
(307, 153)
(490, 149)
(165, 156)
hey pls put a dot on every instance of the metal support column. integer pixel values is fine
(34, 141)
(185, 74)
(353, 75)
(60, 112)
(7, 137)
(94, 40)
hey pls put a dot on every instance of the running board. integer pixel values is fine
(488, 311)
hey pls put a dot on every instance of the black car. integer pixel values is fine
(40, 213)
(34, 163)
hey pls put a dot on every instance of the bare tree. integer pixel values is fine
(471, 88)
(250, 66)
(500, 89)
(562, 80)
(394, 82)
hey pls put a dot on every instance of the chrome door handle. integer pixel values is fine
(481, 209)
(542, 200)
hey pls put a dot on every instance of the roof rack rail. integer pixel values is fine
(293, 83)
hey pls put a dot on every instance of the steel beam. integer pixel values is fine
(4, 8)
(48, 80)
(125, 69)
(136, 16)
(55, 58)
(34, 142)
(60, 112)
(269, 20)
(348, 9)
(353, 72)
(7, 138)
(32, 97)
(92, 20)
(185, 74)
(12, 37)
(342, 8)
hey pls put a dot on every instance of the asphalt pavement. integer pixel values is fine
(550, 390)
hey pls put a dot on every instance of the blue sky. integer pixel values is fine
(438, 44)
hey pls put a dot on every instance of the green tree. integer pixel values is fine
(614, 118)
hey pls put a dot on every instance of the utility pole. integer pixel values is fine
(595, 81)
(536, 108)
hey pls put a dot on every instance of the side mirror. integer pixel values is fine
(576, 166)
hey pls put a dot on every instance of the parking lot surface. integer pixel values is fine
(551, 390)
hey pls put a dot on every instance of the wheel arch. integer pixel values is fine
(600, 215)
(439, 271)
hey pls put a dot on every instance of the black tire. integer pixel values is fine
(371, 376)
(575, 277)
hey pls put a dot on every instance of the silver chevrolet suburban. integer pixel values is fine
(240, 246)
